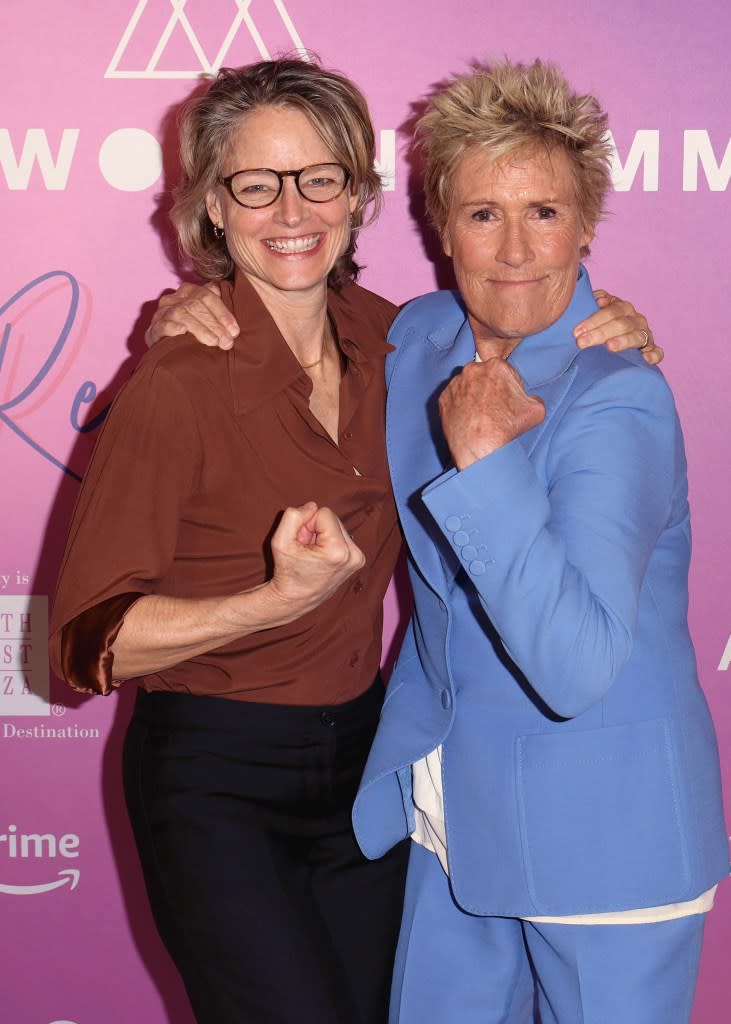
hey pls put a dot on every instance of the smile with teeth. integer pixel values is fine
(293, 245)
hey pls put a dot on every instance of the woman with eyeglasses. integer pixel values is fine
(231, 547)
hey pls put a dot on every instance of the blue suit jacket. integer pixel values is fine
(548, 650)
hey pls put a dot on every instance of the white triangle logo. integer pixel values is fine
(160, 40)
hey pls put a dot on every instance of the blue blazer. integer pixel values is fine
(548, 649)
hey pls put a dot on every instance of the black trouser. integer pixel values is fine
(241, 813)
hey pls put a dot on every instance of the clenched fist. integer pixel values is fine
(484, 408)
(313, 555)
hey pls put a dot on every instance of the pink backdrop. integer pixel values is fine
(86, 151)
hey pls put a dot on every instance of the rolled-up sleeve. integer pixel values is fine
(125, 524)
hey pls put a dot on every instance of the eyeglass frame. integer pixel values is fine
(282, 175)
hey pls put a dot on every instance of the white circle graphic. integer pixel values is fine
(130, 159)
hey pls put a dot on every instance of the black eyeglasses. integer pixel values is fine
(318, 183)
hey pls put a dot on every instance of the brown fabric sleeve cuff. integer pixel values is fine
(86, 641)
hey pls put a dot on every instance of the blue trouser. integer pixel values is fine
(458, 968)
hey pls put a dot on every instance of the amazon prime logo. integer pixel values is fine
(33, 847)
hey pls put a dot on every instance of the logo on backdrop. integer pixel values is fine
(24, 685)
(23, 654)
(33, 849)
(161, 41)
(30, 370)
(725, 657)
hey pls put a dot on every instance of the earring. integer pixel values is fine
(218, 232)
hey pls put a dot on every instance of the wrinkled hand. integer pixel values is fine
(194, 309)
(313, 555)
(484, 408)
(619, 326)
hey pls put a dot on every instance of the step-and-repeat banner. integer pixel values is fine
(89, 94)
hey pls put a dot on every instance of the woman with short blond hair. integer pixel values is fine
(546, 743)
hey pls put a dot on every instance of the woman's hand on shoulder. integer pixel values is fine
(619, 326)
(194, 309)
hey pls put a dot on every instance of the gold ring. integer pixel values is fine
(645, 343)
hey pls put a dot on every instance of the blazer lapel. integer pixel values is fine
(417, 450)
(552, 394)
(546, 361)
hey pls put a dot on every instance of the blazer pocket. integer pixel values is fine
(599, 819)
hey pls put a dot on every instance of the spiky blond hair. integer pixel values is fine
(504, 108)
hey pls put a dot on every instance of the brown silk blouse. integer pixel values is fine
(200, 453)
